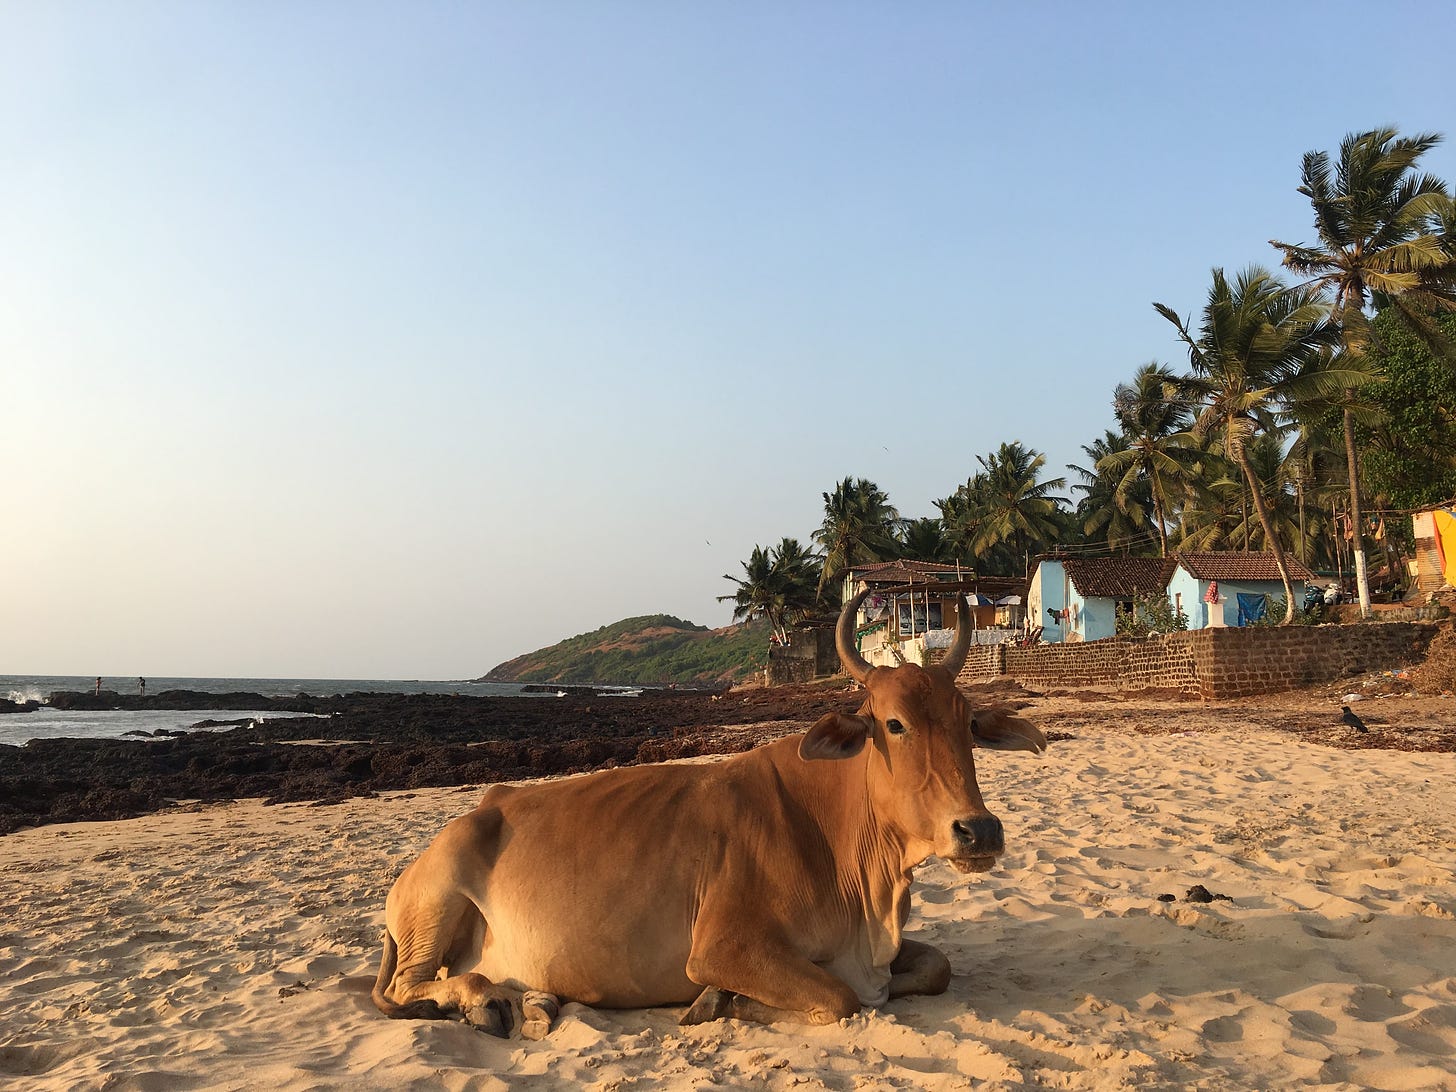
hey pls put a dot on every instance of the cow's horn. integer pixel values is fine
(849, 655)
(955, 659)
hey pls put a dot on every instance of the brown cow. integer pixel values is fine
(773, 885)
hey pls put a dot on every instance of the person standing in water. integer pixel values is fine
(142, 687)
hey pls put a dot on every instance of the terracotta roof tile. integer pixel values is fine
(1119, 577)
(903, 571)
(1231, 565)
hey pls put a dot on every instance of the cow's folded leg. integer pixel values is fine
(497, 1013)
(539, 1011)
(712, 1004)
(919, 969)
(716, 1004)
(765, 986)
(478, 1001)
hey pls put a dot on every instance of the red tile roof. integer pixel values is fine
(1231, 565)
(903, 571)
(1119, 577)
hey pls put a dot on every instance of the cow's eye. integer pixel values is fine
(895, 727)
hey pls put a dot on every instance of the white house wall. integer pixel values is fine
(1052, 589)
(1045, 593)
(1098, 619)
(1186, 591)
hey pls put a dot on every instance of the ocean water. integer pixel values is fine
(19, 728)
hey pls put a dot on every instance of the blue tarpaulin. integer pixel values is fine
(1251, 606)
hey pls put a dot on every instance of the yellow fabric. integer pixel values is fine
(1446, 540)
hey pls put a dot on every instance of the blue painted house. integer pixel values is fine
(1077, 598)
(1231, 589)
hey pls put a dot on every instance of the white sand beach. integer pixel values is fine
(235, 946)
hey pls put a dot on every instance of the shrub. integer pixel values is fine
(1154, 614)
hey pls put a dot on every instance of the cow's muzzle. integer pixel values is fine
(977, 843)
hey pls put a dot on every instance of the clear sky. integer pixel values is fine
(394, 340)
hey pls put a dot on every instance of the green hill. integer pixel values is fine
(653, 650)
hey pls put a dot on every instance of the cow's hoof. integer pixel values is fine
(494, 1017)
(538, 1012)
(712, 1004)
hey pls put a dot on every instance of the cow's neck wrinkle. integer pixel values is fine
(873, 858)
(877, 873)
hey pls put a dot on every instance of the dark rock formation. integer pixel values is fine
(380, 742)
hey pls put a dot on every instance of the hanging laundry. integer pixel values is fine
(1252, 607)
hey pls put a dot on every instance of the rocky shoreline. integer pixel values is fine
(371, 743)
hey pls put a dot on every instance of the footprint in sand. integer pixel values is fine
(1432, 1030)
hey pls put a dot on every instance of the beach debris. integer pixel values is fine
(1196, 893)
(1352, 720)
(1199, 893)
(1353, 697)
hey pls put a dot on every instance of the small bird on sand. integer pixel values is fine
(1352, 720)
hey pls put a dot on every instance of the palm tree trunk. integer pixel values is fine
(1158, 515)
(1362, 579)
(1262, 511)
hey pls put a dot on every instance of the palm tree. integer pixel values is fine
(924, 539)
(1213, 509)
(1246, 360)
(1274, 471)
(778, 585)
(1381, 228)
(961, 516)
(1123, 520)
(859, 527)
(1154, 415)
(1017, 509)
(1318, 455)
(798, 572)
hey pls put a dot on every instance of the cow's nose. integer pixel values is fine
(980, 837)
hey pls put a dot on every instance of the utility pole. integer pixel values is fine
(1357, 543)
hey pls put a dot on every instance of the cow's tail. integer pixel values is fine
(413, 1010)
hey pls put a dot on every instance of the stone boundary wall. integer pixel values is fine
(1211, 664)
(983, 663)
(1164, 663)
(1234, 663)
(812, 655)
(783, 669)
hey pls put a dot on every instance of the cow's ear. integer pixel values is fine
(1000, 731)
(835, 735)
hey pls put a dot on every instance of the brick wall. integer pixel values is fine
(983, 662)
(1210, 663)
(1165, 663)
(1263, 660)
